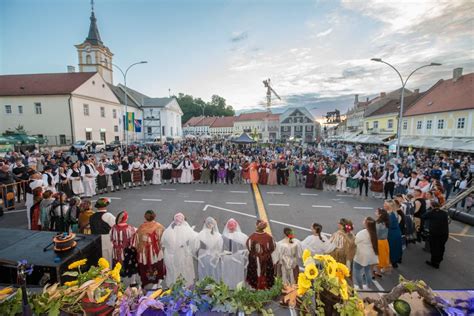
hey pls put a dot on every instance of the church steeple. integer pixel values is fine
(93, 54)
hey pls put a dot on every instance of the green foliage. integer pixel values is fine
(11, 306)
(194, 106)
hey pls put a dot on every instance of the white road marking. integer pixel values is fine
(378, 285)
(295, 226)
(322, 206)
(336, 199)
(157, 200)
(236, 203)
(274, 192)
(454, 238)
(363, 208)
(190, 201)
(311, 194)
(167, 189)
(136, 188)
(278, 204)
(239, 191)
(112, 198)
(203, 190)
(16, 211)
(227, 210)
(343, 195)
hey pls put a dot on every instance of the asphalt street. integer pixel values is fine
(293, 207)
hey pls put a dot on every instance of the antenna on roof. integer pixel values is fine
(92, 5)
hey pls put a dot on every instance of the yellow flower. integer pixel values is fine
(115, 274)
(310, 271)
(168, 292)
(119, 295)
(71, 283)
(76, 264)
(360, 305)
(306, 255)
(301, 291)
(103, 263)
(343, 268)
(324, 259)
(331, 269)
(344, 294)
(303, 282)
(103, 297)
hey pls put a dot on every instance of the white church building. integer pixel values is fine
(85, 105)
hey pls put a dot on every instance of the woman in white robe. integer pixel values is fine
(286, 256)
(156, 171)
(235, 257)
(187, 171)
(179, 243)
(210, 250)
(317, 243)
(74, 174)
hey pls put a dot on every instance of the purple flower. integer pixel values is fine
(146, 302)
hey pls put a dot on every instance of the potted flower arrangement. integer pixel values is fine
(323, 287)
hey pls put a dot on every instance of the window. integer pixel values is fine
(366, 125)
(390, 123)
(102, 136)
(114, 113)
(38, 109)
(376, 124)
(102, 111)
(461, 122)
(163, 131)
(62, 139)
(115, 128)
(86, 109)
(309, 128)
(428, 124)
(117, 138)
(8, 109)
(88, 135)
(171, 130)
(20, 109)
(440, 124)
(297, 128)
(405, 124)
(419, 125)
(148, 130)
(88, 59)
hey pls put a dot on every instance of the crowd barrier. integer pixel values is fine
(8, 193)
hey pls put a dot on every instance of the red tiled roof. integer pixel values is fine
(207, 121)
(226, 121)
(42, 84)
(257, 116)
(445, 96)
(393, 106)
(193, 121)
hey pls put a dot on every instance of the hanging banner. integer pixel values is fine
(138, 126)
(130, 121)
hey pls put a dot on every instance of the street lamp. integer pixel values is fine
(124, 74)
(402, 97)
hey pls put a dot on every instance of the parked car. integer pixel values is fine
(113, 145)
(88, 146)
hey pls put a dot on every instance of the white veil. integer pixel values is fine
(209, 235)
(236, 233)
(178, 234)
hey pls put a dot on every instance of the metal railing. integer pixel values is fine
(8, 192)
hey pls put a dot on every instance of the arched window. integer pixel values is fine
(88, 59)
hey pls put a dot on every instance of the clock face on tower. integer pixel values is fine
(88, 48)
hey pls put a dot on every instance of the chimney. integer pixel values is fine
(417, 91)
(356, 99)
(457, 73)
(71, 69)
(382, 94)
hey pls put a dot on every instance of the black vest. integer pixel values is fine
(364, 174)
(422, 209)
(98, 226)
(87, 169)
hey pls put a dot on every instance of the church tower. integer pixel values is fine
(93, 55)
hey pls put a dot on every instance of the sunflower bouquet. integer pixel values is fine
(323, 287)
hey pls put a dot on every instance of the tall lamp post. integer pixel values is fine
(124, 74)
(402, 96)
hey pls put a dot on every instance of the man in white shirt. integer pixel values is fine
(88, 173)
(49, 179)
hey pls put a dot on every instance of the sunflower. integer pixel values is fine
(167, 292)
(310, 271)
(303, 282)
(343, 269)
(331, 269)
(301, 291)
(306, 255)
(115, 274)
(77, 264)
(71, 283)
(103, 264)
(343, 291)
(103, 297)
(324, 258)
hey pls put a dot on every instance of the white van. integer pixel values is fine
(87, 145)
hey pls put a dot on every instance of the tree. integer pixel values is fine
(196, 106)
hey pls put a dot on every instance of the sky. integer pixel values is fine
(316, 52)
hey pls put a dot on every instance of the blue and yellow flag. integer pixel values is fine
(130, 121)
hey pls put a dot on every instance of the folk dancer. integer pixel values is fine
(364, 175)
(102, 176)
(186, 168)
(166, 171)
(49, 179)
(156, 166)
(137, 169)
(260, 273)
(101, 222)
(342, 174)
(88, 173)
(126, 173)
(286, 257)
(148, 171)
(389, 178)
(74, 174)
(209, 251)
(235, 256)
(112, 171)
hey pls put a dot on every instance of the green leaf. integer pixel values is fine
(71, 273)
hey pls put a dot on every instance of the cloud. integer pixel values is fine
(239, 36)
(324, 33)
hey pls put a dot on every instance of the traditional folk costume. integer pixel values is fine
(175, 171)
(246, 172)
(148, 171)
(230, 174)
(342, 174)
(101, 177)
(363, 175)
(263, 174)
(235, 256)
(64, 185)
(196, 171)
(285, 257)
(352, 183)
(260, 273)
(156, 165)
(49, 181)
(254, 172)
(291, 176)
(137, 176)
(88, 173)
(344, 247)
(186, 168)
(179, 242)
(221, 171)
(122, 237)
(112, 171)
(45, 210)
(376, 184)
(35, 210)
(166, 172)
(75, 176)
(101, 223)
(272, 177)
(30, 199)
(150, 255)
(330, 179)
(206, 172)
(125, 172)
(310, 175)
(318, 244)
(389, 178)
(318, 182)
(209, 251)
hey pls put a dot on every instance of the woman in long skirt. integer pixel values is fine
(147, 172)
(376, 185)
(206, 172)
(382, 221)
(263, 173)
(137, 172)
(260, 272)
(254, 172)
(156, 166)
(74, 174)
(125, 172)
(235, 257)
(272, 177)
(310, 174)
(166, 172)
(64, 185)
(196, 171)
(394, 234)
(101, 178)
(291, 175)
(286, 257)
(318, 182)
